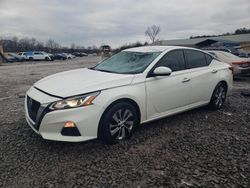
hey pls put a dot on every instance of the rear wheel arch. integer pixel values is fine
(222, 97)
(220, 82)
(223, 82)
(122, 100)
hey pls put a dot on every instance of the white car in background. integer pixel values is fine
(240, 65)
(132, 87)
(22, 54)
(37, 55)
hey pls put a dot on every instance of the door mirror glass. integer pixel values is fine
(162, 71)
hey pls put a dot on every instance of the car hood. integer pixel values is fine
(81, 81)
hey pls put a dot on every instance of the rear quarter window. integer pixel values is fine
(208, 59)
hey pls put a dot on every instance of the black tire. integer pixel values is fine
(118, 123)
(219, 96)
(31, 59)
(46, 59)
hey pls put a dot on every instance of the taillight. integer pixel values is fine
(231, 69)
(241, 64)
(238, 63)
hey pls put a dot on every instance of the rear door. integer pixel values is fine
(166, 94)
(201, 75)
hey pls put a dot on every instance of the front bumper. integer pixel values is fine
(49, 124)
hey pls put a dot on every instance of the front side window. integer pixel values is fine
(173, 60)
(127, 62)
(195, 59)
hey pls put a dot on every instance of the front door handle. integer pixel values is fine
(185, 80)
(214, 71)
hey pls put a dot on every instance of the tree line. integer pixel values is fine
(15, 44)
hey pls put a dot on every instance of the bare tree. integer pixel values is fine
(52, 45)
(152, 32)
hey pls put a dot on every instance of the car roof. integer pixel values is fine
(156, 48)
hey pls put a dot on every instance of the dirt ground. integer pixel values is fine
(199, 148)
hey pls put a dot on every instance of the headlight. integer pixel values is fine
(74, 102)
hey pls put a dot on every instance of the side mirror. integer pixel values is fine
(162, 71)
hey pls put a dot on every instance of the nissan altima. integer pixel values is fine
(132, 87)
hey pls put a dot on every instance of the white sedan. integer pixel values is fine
(132, 87)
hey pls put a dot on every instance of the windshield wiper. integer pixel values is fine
(104, 70)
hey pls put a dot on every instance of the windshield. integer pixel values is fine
(127, 62)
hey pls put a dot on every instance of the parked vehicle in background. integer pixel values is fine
(9, 59)
(240, 65)
(80, 54)
(60, 56)
(233, 50)
(37, 55)
(106, 51)
(52, 57)
(92, 54)
(23, 54)
(17, 57)
(68, 55)
(134, 86)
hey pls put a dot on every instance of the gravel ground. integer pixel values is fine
(199, 148)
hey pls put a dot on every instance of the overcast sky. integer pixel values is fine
(115, 22)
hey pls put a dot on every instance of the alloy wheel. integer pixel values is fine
(220, 96)
(121, 124)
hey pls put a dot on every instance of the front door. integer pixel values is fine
(167, 94)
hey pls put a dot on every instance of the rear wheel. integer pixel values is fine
(218, 97)
(31, 59)
(118, 123)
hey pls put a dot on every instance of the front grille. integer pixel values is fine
(33, 107)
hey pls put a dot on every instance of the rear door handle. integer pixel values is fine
(185, 80)
(214, 71)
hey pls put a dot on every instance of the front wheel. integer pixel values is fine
(118, 123)
(218, 97)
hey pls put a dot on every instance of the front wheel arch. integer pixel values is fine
(127, 100)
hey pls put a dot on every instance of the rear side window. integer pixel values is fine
(173, 60)
(195, 59)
